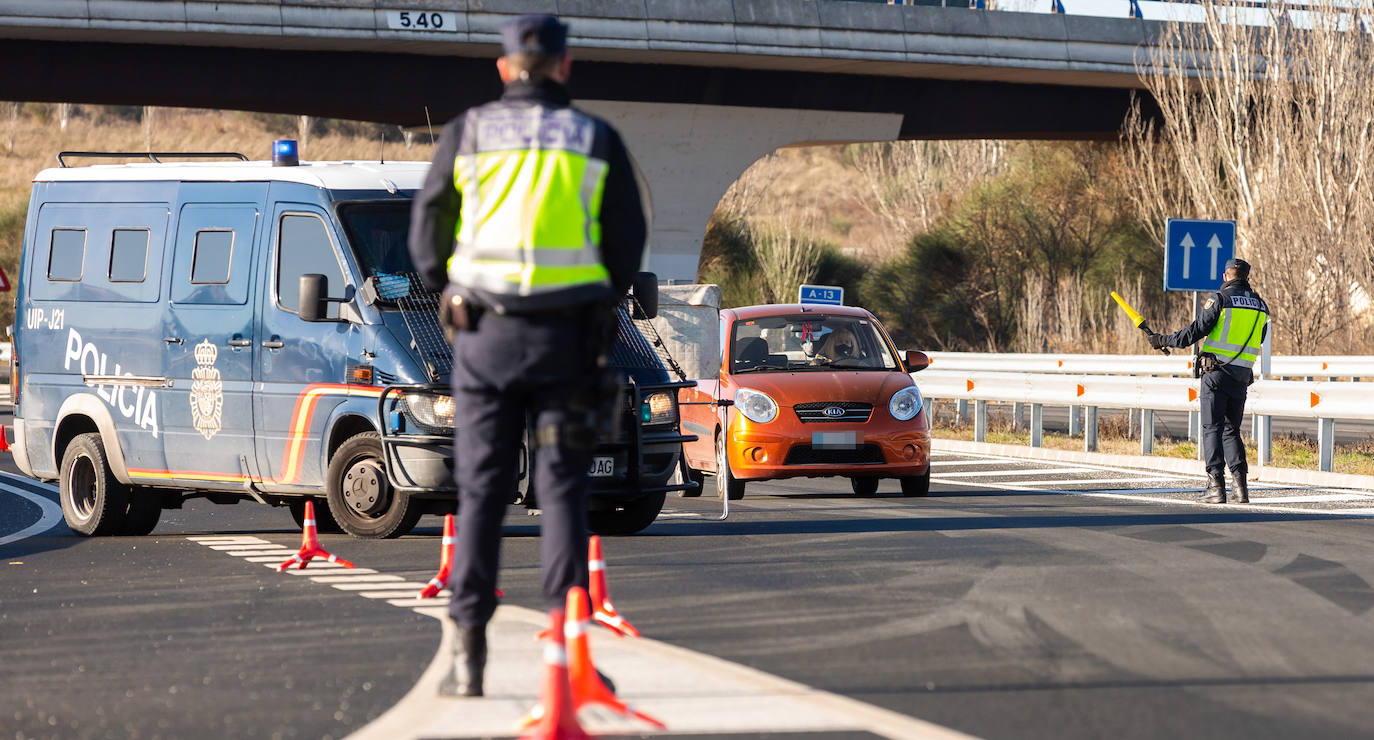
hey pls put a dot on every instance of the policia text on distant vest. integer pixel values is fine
(1232, 326)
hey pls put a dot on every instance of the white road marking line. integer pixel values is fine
(988, 461)
(374, 585)
(251, 553)
(397, 594)
(418, 604)
(1095, 481)
(1013, 473)
(242, 546)
(49, 514)
(286, 554)
(362, 574)
(316, 565)
(224, 539)
(1328, 498)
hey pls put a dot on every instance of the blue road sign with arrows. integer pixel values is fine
(1195, 252)
(830, 295)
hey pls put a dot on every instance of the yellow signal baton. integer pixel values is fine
(1135, 317)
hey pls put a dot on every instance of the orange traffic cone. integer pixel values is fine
(439, 582)
(587, 686)
(4, 443)
(310, 545)
(555, 714)
(603, 611)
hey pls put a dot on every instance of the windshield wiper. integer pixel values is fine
(758, 368)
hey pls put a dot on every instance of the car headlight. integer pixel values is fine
(658, 408)
(756, 407)
(905, 403)
(430, 410)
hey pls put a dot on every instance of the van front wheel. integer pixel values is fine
(361, 498)
(93, 500)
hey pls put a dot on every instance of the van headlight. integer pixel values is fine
(756, 407)
(430, 410)
(905, 403)
(658, 408)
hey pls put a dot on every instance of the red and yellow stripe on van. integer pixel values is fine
(302, 419)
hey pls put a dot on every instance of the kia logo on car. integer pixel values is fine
(833, 411)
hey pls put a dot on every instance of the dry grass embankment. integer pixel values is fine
(1290, 451)
(30, 141)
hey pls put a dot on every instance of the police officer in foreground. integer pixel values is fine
(1231, 325)
(536, 210)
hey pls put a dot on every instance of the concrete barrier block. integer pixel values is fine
(1040, 26)
(601, 9)
(861, 16)
(944, 21)
(1103, 30)
(232, 13)
(328, 19)
(683, 32)
(778, 12)
(64, 9)
(601, 32)
(134, 10)
(870, 44)
(459, 6)
(705, 11)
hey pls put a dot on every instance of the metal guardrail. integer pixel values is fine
(1092, 381)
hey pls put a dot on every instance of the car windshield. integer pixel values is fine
(810, 342)
(377, 231)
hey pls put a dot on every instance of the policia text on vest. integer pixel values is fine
(1231, 326)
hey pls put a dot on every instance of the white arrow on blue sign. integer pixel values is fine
(1195, 253)
(829, 295)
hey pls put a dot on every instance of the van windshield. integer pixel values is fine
(377, 231)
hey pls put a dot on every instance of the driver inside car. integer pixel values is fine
(839, 345)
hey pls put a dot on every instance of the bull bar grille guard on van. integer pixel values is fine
(633, 439)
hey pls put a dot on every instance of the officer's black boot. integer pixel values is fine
(469, 662)
(1216, 488)
(1240, 492)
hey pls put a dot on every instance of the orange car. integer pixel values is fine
(808, 391)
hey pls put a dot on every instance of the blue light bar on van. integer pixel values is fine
(285, 153)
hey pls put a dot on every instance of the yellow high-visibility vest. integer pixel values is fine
(531, 187)
(1239, 331)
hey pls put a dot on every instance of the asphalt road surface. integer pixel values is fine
(1020, 600)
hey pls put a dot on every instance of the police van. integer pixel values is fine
(237, 330)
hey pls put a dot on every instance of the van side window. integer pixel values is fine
(304, 247)
(66, 254)
(210, 263)
(129, 256)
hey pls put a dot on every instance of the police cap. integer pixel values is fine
(1240, 266)
(534, 35)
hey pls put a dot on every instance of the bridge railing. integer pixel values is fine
(1149, 383)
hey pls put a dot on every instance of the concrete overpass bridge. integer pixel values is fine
(700, 88)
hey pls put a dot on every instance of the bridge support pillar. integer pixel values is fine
(690, 154)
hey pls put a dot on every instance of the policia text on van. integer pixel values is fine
(229, 329)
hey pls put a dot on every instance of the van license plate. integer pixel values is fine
(603, 466)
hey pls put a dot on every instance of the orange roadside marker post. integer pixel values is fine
(440, 581)
(310, 545)
(556, 717)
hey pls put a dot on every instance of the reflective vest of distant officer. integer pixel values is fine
(532, 213)
(1232, 326)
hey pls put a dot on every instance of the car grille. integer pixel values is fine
(850, 411)
(860, 455)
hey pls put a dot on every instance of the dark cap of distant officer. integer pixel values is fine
(534, 35)
(1239, 267)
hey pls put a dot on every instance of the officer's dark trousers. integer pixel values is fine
(1222, 402)
(510, 369)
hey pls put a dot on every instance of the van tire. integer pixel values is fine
(627, 518)
(93, 500)
(324, 519)
(145, 508)
(357, 476)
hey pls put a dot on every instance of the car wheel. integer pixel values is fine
(694, 476)
(726, 483)
(93, 500)
(361, 498)
(864, 486)
(916, 485)
(145, 508)
(324, 519)
(627, 518)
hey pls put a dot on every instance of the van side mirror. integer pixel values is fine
(916, 361)
(314, 302)
(645, 290)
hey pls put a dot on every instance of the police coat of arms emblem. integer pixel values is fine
(207, 391)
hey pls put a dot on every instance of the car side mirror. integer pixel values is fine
(916, 361)
(645, 290)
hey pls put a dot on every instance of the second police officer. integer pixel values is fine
(1232, 326)
(531, 212)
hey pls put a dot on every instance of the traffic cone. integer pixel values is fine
(4, 443)
(437, 583)
(603, 611)
(310, 545)
(557, 720)
(587, 686)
